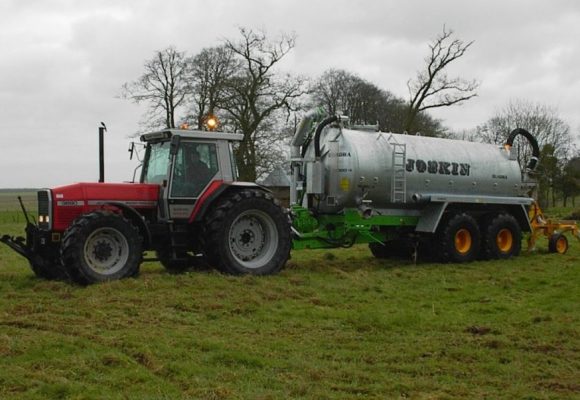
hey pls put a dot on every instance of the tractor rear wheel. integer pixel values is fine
(248, 233)
(502, 238)
(458, 239)
(101, 246)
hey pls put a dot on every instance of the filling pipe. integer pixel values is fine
(533, 163)
(319, 128)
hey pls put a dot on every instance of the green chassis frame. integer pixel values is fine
(343, 230)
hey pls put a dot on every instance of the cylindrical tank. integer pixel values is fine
(369, 165)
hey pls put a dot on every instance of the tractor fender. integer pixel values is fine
(136, 218)
(214, 191)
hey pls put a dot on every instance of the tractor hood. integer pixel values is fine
(72, 200)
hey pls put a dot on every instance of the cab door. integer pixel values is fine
(195, 165)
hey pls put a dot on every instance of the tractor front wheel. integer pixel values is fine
(101, 246)
(49, 269)
(248, 233)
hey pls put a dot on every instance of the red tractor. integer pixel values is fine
(186, 206)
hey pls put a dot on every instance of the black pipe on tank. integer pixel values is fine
(319, 128)
(533, 163)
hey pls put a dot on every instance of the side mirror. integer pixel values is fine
(131, 150)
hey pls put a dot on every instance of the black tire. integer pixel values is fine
(379, 250)
(501, 238)
(391, 249)
(458, 239)
(248, 233)
(101, 246)
(48, 269)
(558, 243)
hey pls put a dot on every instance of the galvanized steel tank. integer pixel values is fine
(359, 165)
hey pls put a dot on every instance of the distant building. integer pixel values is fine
(278, 182)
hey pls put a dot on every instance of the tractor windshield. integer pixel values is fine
(156, 163)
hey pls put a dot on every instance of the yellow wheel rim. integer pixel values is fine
(561, 245)
(463, 241)
(504, 240)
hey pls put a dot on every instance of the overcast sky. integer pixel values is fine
(63, 62)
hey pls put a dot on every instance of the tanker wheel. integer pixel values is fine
(558, 243)
(502, 238)
(458, 239)
(248, 233)
(101, 246)
(49, 269)
(390, 249)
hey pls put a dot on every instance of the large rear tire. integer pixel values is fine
(458, 239)
(502, 238)
(248, 233)
(101, 246)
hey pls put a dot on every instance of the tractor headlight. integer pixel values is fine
(44, 209)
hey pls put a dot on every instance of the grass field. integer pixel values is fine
(333, 325)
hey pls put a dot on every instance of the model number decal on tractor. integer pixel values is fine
(70, 203)
(438, 167)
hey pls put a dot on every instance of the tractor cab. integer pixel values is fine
(184, 163)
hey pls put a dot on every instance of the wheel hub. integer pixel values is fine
(253, 239)
(106, 251)
(247, 238)
(561, 245)
(462, 241)
(102, 251)
(504, 240)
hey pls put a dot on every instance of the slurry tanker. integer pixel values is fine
(400, 193)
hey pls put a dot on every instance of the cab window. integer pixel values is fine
(195, 166)
(156, 163)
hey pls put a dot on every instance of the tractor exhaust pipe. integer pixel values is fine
(102, 130)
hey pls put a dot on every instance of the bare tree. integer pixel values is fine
(163, 86)
(330, 90)
(209, 74)
(339, 91)
(551, 132)
(540, 120)
(257, 91)
(432, 88)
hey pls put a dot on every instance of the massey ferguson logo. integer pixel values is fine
(438, 167)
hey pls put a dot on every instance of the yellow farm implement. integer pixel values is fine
(554, 230)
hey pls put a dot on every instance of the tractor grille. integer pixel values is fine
(44, 209)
